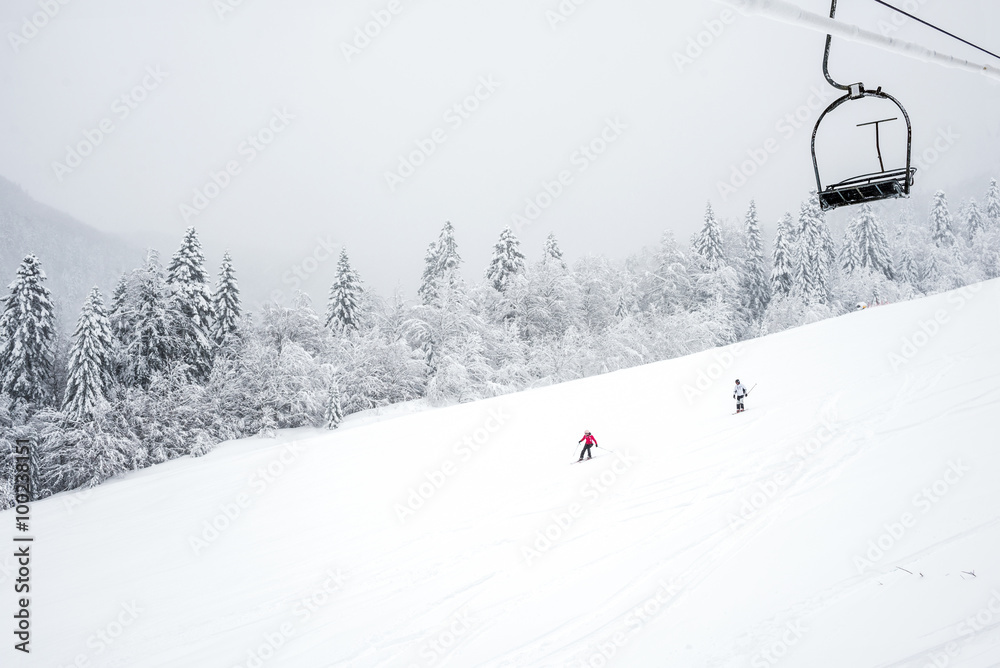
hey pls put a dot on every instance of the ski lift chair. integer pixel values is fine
(880, 185)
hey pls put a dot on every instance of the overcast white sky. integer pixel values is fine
(679, 128)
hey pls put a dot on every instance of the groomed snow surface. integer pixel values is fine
(850, 518)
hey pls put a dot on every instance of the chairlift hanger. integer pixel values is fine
(884, 184)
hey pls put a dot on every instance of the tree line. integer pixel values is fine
(173, 365)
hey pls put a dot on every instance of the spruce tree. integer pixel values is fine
(507, 261)
(941, 222)
(974, 222)
(88, 381)
(783, 257)
(27, 336)
(552, 255)
(440, 265)
(850, 258)
(343, 311)
(333, 414)
(993, 203)
(151, 348)
(120, 319)
(192, 301)
(226, 302)
(866, 245)
(756, 289)
(708, 243)
(814, 254)
(622, 309)
(907, 267)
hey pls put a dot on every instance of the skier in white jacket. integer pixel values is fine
(738, 393)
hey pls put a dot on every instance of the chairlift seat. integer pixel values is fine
(867, 188)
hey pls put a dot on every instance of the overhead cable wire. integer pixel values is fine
(931, 25)
(790, 13)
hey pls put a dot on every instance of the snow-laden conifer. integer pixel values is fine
(756, 289)
(783, 257)
(27, 336)
(89, 371)
(343, 311)
(507, 261)
(226, 302)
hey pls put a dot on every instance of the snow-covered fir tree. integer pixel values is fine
(552, 254)
(708, 242)
(191, 297)
(507, 261)
(89, 376)
(622, 308)
(27, 336)
(334, 413)
(343, 310)
(120, 320)
(974, 221)
(440, 265)
(755, 288)
(907, 268)
(151, 348)
(226, 304)
(865, 245)
(850, 259)
(940, 221)
(812, 272)
(783, 261)
(993, 203)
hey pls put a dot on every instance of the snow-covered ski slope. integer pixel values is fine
(850, 518)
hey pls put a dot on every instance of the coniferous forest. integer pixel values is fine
(171, 363)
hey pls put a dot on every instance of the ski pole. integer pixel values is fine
(751, 389)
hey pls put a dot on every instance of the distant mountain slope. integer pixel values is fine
(75, 257)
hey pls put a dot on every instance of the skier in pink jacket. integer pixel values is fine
(588, 440)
